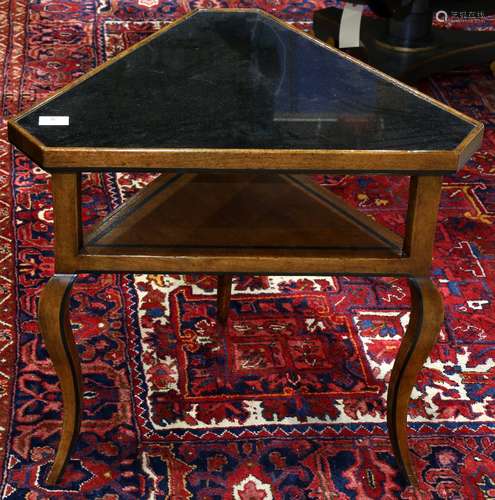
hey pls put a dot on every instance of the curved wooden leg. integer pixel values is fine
(59, 341)
(421, 335)
(224, 289)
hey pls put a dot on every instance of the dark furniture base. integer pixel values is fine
(448, 49)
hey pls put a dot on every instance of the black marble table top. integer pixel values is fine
(236, 79)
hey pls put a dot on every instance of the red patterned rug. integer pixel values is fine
(290, 402)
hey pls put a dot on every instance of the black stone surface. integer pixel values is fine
(241, 80)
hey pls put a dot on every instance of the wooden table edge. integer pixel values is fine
(434, 162)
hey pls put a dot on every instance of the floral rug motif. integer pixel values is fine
(272, 364)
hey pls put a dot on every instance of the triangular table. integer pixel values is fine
(233, 108)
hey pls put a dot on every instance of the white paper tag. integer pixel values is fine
(350, 26)
(53, 120)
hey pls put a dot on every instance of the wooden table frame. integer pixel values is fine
(414, 263)
(74, 253)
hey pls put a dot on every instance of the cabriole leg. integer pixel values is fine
(59, 341)
(421, 335)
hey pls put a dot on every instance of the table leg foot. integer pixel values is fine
(59, 341)
(421, 335)
(224, 289)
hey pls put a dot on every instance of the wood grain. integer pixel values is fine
(59, 341)
(421, 335)
(66, 189)
(245, 211)
(421, 220)
(224, 289)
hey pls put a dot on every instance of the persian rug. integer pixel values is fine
(290, 402)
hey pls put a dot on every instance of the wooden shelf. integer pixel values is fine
(239, 214)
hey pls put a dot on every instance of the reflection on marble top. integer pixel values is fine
(242, 80)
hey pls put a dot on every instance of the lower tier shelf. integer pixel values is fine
(221, 214)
